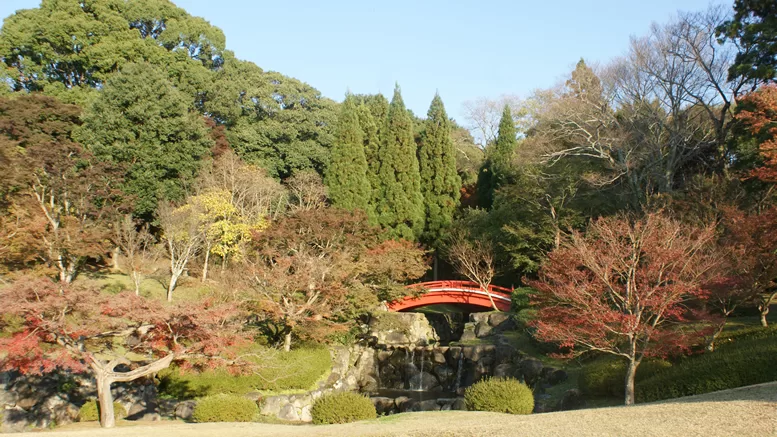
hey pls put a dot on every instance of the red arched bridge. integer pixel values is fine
(454, 292)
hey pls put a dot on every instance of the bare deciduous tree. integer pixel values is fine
(307, 191)
(472, 258)
(255, 194)
(648, 114)
(483, 116)
(183, 236)
(137, 245)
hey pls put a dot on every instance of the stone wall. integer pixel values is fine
(33, 402)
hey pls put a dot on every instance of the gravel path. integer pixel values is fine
(748, 411)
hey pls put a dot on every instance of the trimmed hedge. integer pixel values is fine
(500, 396)
(746, 358)
(225, 408)
(342, 407)
(606, 376)
(90, 411)
(299, 369)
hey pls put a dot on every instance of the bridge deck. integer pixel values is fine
(455, 292)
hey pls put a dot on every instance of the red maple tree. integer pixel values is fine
(60, 200)
(316, 270)
(118, 338)
(751, 268)
(758, 112)
(622, 288)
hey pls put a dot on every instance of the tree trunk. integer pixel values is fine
(715, 335)
(105, 399)
(136, 279)
(764, 308)
(764, 313)
(490, 298)
(115, 258)
(631, 372)
(171, 286)
(205, 267)
(287, 341)
(435, 265)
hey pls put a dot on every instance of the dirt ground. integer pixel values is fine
(748, 411)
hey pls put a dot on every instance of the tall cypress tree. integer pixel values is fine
(346, 176)
(495, 170)
(371, 144)
(400, 205)
(440, 183)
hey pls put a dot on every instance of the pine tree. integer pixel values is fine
(400, 206)
(346, 176)
(495, 170)
(440, 183)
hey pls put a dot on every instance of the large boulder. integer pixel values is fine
(427, 405)
(423, 381)
(531, 369)
(383, 405)
(401, 329)
(573, 399)
(483, 330)
(184, 410)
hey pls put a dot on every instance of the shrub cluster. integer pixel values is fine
(606, 376)
(747, 358)
(500, 396)
(225, 408)
(295, 370)
(90, 411)
(342, 407)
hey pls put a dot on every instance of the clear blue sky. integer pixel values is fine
(463, 49)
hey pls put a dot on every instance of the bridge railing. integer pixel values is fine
(462, 285)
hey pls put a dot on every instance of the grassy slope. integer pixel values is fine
(747, 411)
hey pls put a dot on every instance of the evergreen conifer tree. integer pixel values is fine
(440, 183)
(371, 143)
(346, 176)
(495, 170)
(400, 206)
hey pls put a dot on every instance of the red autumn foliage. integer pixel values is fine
(117, 337)
(60, 200)
(316, 270)
(760, 117)
(622, 288)
(750, 271)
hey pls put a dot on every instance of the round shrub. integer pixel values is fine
(500, 396)
(90, 411)
(342, 407)
(225, 408)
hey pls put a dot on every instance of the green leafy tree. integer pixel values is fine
(400, 207)
(272, 120)
(346, 175)
(142, 120)
(754, 27)
(69, 49)
(496, 168)
(440, 183)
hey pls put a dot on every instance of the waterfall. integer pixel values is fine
(412, 361)
(421, 374)
(459, 371)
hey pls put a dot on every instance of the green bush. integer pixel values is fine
(606, 376)
(500, 396)
(299, 369)
(225, 408)
(342, 407)
(746, 359)
(90, 411)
